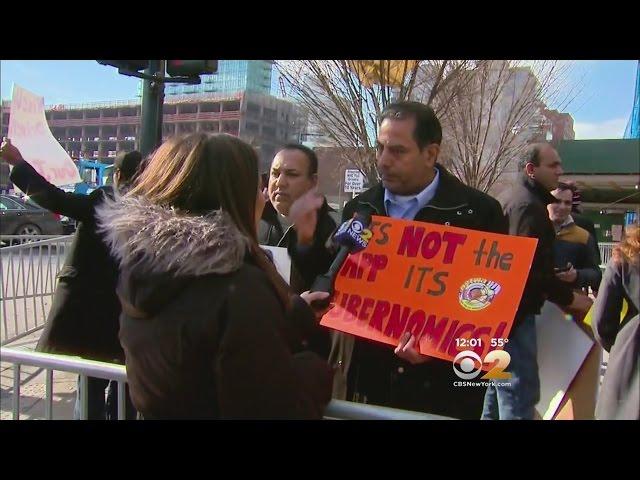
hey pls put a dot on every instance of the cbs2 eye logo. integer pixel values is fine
(468, 365)
(364, 233)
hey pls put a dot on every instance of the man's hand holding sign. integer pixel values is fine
(406, 349)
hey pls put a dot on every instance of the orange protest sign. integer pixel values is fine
(454, 289)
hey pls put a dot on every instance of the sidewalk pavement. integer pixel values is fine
(32, 388)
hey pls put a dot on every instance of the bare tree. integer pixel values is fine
(344, 98)
(486, 128)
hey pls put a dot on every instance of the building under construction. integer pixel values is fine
(100, 130)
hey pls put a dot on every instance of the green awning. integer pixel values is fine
(610, 195)
(617, 156)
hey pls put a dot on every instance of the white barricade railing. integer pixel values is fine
(336, 410)
(13, 240)
(343, 410)
(63, 363)
(27, 282)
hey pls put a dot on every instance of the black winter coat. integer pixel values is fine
(576, 246)
(309, 262)
(375, 374)
(526, 208)
(204, 332)
(83, 319)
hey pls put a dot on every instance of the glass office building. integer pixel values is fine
(233, 76)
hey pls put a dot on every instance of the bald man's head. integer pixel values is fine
(542, 163)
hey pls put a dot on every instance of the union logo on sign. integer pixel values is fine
(478, 293)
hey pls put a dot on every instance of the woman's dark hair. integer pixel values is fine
(199, 173)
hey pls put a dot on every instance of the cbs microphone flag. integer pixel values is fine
(439, 282)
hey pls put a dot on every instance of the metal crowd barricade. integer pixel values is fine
(14, 240)
(336, 410)
(606, 250)
(343, 410)
(28, 274)
(84, 368)
(28, 279)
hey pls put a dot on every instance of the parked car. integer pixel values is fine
(21, 216)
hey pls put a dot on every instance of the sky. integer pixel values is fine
(601, 108)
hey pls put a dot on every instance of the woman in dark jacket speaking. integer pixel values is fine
(208, 324)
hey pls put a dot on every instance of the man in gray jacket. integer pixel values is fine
(526, 208)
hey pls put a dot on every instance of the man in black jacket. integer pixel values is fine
(575, 249)
(414, 187)
(581, 220)
(83, 319)
(297, 218)
(526, 208)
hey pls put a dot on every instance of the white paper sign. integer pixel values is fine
(616, 232)
(353, 181)
(282, 261)
(562, 348)
(29, 132)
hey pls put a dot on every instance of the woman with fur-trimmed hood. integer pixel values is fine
(208, 324)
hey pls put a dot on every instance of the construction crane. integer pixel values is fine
(633, 126)
(283, 91)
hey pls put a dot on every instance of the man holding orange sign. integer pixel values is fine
(399, 282)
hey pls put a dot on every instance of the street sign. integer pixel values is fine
(353, 181)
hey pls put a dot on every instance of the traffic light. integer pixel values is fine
(191, 68)
(130, 65)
